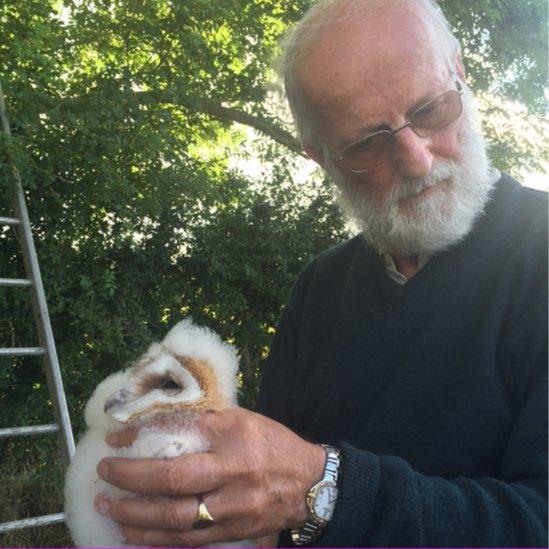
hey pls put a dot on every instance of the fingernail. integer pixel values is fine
(101, 504)
(127, 535)
(103, 469)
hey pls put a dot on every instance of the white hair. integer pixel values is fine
(298, 40)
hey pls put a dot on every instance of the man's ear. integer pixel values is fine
(314, 153)
(460, 68)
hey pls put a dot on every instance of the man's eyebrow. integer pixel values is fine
(427, 98)
(365, 131)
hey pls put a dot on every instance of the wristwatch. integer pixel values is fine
(321, 500)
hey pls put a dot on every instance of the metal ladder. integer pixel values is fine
(47, 350)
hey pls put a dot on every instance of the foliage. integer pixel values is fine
(123, 121)
(32, 487)
(504, 46)
(132, 228)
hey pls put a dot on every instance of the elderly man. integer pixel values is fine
(415, 352)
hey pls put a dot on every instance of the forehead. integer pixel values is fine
(366, 67)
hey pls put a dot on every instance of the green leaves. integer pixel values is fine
(505, 46)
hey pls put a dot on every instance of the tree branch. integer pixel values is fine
(262, 125)
(216, 111)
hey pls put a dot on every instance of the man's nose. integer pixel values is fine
(412, 154)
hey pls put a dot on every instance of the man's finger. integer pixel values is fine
(190, 538)
(126, 437)
(216, 427)
(173, 514)
(187, 475)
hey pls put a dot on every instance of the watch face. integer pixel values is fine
(324, 502)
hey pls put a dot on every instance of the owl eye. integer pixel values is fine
(170, 385)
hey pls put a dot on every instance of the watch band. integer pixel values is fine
(314, 526)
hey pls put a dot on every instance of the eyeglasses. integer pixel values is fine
(377, 148)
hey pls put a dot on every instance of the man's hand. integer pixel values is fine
(253, 482)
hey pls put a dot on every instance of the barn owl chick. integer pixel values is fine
(190, 372)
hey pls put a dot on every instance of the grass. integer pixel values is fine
(31, 483)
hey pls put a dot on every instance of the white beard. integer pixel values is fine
(433, 222)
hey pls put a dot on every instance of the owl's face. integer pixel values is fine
(165, 384)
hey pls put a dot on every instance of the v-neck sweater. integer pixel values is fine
(435, 391)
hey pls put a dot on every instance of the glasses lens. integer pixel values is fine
(437, 114)
(369, 153)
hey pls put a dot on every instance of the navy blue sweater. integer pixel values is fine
(435, 391)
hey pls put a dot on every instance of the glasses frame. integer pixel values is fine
(340, 156)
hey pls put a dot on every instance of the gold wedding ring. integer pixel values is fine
(203, 517)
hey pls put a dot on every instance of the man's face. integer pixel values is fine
(365, 75)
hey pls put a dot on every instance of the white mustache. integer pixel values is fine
(410, 187)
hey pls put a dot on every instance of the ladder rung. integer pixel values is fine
(15, 282)
(28, 431)
(22, 351)
(9, 221)
(30, 522)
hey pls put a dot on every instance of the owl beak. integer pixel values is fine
(116, 400)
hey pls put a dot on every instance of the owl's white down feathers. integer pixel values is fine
(197, 349)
